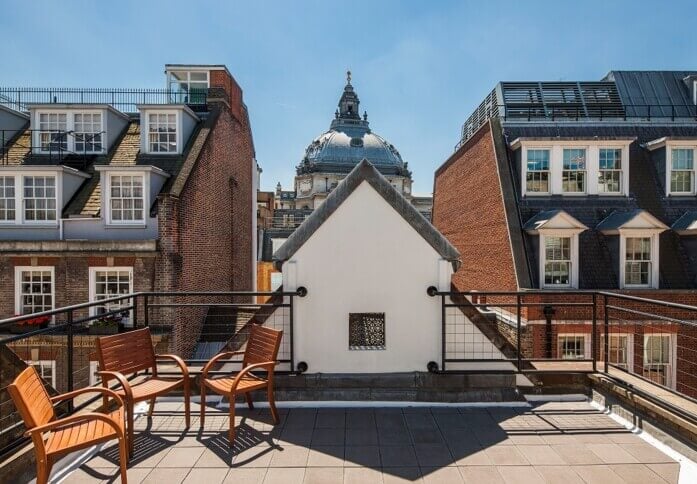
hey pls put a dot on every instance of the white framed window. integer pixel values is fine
(109, 282)
(610, 170)
(619, 350)
(682, 171)
(162, 132)
(557, 261)
(8, 202)
(573, 175)
(53, 132)
(69, 131)
(574, 167)
(188, 80)
(572, 347)
(659, 358)
(639, 257)
(34, 289)
(88, 132)
(40, 200)
(537, 171)
(126, 198)
(46, 370)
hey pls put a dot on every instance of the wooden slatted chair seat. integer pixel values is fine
(53, 437)
(260, 354)
(84, 434)
(132, 352)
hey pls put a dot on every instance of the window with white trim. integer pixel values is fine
(126, 199)
(573, 175)
(188, 80)
(557, 262)
(109, 282)
(618, 348)
(88, 132)
(657, 359)
(637, 261)
(572, 347)
(34, 290)
(537, 173)
(39, 198)
(162, 132)
(682, 171)
(53, 136)
(46, 370)
(610, 170)
(7, 199)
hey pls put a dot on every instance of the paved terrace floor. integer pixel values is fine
(568, 443)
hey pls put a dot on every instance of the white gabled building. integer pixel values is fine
(367, 257)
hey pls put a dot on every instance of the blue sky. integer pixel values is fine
(419, 67)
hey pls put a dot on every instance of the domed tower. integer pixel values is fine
(334, 153)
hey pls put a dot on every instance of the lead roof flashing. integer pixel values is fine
(365, 171)
(515, 144)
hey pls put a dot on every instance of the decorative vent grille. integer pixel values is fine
(367, 331)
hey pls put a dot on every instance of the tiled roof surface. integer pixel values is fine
(124, 152)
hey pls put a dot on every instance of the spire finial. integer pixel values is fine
(348, 77)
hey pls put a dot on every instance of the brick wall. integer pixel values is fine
(468, 209)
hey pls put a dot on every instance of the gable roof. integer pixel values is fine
(624, 220)
(365, 171)
(686, 224)
(553, 219)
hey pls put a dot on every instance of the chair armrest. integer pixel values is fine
(178, 361)
(267, 365)
(75, 419)
(217, 357)
(75, 393)
(122, 381)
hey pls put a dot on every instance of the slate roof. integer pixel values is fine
(617, 219)
(599, 254)
(366, 171)
(687, 222)
(666, 89)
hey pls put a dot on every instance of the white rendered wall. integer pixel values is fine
(365, 258)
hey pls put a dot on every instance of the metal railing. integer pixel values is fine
(573, 112)
(18, 145)
(60, 343)
(125, 100)
(645, 344)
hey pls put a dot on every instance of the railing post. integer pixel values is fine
(519, 364)
(146, 317)
(442, 332)
(291, 315)
(594, 337)
(71, 348)
(606, 343)
(134, 303)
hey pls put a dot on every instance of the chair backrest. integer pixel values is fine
(127, 353)
(262, 345)
(31, 398)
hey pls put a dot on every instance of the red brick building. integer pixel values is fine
(567, 186)
(106, 192)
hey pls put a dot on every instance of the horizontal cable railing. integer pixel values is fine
(126, 100)
(60, 343)
(645, 344)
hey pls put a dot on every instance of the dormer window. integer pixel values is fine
(162, 132)
(40, 198)
(165, 129)
(682, 171)
(69, 131)
(126, 199)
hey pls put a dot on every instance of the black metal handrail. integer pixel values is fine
(126, 100)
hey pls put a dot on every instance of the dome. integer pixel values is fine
(349, 141)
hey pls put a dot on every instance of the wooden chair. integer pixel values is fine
(261, 353)
(129, 353)
(53, 437)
